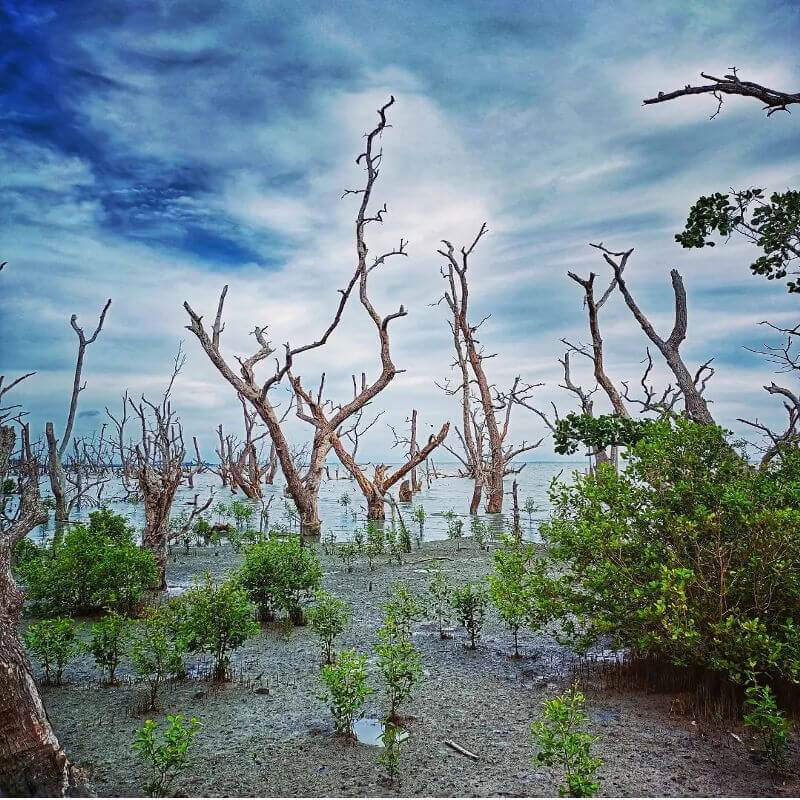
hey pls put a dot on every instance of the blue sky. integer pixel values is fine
(152, 152)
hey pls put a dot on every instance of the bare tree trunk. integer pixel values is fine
(477, 493)
(157, 495)
(415, 484)
(32, 762)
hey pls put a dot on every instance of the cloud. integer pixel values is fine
(155, 152)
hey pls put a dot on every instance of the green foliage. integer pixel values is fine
(345, 500)
(689, 555)
(242, 512)
(158, 646)
(280, 575)
(399, 664)
(165, 756)
(26, 551)
(402, 610)
(418, 515)
(404, 539)
(346, 690)
(221, 511)
(441, 594)
(108, 642)
(9, 486)
(563, 744)
(530, 507)
(54, 643)
(219, 619)
(455, 527)
(513, 587)
(347, 553)
(328, 617)
(478, 530)
(768, 723)
(95, 566)
(376, 542)
(469, 603)
(772, 225)
(596, 433)
(389, 757)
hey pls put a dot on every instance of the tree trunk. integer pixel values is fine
(32, 762)
(376, 508)
(405, 493)
(477, 492)
(55, 472)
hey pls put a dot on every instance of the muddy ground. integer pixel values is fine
(282, 742)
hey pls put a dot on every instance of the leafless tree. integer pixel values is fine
(156, 463)
(691, 386)
(32, 762)
(731, 84)
(57, 448)
(495, 406)
(303, 486)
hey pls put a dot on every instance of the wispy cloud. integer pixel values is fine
(153, 152)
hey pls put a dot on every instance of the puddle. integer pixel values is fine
(369, 731)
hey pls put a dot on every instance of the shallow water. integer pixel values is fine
(444, 494)
(369, 731)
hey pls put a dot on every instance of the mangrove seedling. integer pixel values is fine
(469, 603)
(108, 642)
(54, 643)
(346, 690)
(328, 617)
(166, 756)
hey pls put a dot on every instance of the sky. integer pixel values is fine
(152, 152)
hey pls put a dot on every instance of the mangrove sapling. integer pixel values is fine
(359, 540)
(157, 650)
(418, 515)
(469, 603)
(376, 542)
(530, 508)
(389, 757)
(441, 595)
(399, 663)
(222, 511)
(329, 543)
(165, 756)
(108, 642)
(455, 527)
(219, 619)
(242, 512)
(510, 586)
(346, 690)
(768, 723)
(402, 610)
(347, 553)
(345, 500)
(478, 531)
(328, 617)
(280, 575)
(562, 743)
(54, 643)
(404, 539)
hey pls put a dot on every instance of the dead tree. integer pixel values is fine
(691, 386)
(312, 409)
(496, 407)
(156, 463)
(409, 487)
(241, 465)
(57, 448)
(303, 485)
(32, 762)
(731, 84)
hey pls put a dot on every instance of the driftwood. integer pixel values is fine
(462, 750)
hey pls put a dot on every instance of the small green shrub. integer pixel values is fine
(328, 617)
(402, 610)
(513, 586)
(242, 512)
(280, 575)
(399, 664)
(469, 603)
(219, 619)
(347, 553)
(418, 515)
(165, 756)
(478, 531)
(389, 757)
(768, 723)
(158, 647)
(346, 690)
(404, 539)
(441, 594)
(54, 643)
(95, 566)
(376, 543)
(108, 642)
(563, 744)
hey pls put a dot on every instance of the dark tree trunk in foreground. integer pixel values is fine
(32, 762)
